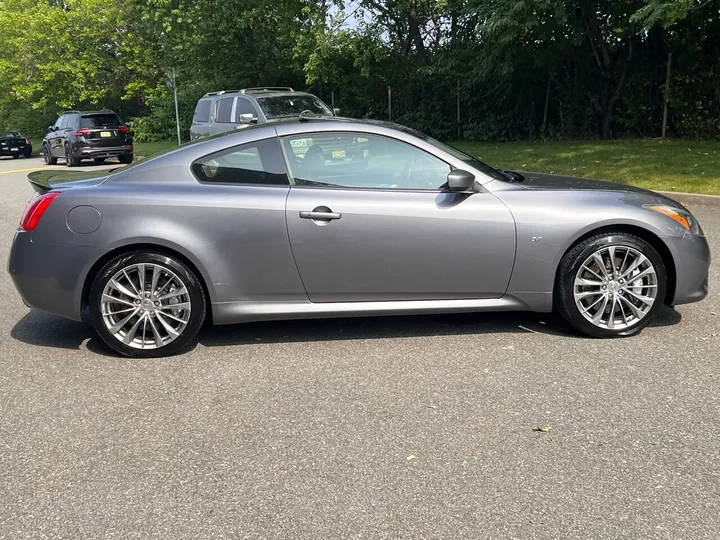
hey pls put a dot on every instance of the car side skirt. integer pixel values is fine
(239, 312)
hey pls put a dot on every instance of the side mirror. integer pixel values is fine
(336, 111)
(460, 181)
(247, 118)
(51, 128)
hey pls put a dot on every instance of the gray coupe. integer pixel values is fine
(328, 217)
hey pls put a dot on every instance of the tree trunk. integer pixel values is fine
(667, 92)
(545, 112)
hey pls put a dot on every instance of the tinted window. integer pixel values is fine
(244, 106)
(62, 121)
(202, 111)
(15, 134)
(278, 106)
(355, 160)
(99, 120)
(259, 162)
(224, 109)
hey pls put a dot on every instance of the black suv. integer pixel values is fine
(95, 135)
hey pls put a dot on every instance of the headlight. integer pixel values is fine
(683, 217)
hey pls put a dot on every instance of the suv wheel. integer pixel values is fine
(49, 159)
(70, 160)
(126, 158)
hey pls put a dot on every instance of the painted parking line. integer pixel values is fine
(33, 169)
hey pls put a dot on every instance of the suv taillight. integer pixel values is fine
(123, 129)
(28, 141)
(83, 131)
(35, 210)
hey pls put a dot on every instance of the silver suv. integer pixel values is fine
(217, 112)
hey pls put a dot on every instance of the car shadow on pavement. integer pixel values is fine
(46, 330)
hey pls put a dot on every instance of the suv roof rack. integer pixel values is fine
(88, 112)
(267, 89)
(220, 93)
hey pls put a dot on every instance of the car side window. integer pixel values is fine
(61, 121)
(244, 106)
(357, 160)
(202, 111)
(259, 162)
(223, 110)
(72, 121)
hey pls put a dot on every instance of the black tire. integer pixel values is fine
(49, 159)
(572, 262)
(27, 155)
(198, 303)
(99, 160)
(70, 160)
(125, 158)
(15, 156)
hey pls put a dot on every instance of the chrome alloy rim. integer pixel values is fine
(145, 306)
(615, 287)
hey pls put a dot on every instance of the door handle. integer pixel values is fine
(320, 216)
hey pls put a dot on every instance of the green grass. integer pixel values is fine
(665, 165)
(149, 149)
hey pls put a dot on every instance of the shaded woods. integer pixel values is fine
(473, 69)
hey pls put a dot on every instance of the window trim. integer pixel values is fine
(229, 149)
(282, 138)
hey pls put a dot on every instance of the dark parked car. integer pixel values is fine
(96, 135)
(15, 144)
(221, 111)
(327, 217)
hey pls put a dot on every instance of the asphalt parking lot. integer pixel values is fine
(407, 427)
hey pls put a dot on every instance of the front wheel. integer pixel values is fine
(49, 159)
(145, 304)
(610, 285)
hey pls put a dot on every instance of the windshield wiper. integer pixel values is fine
(512, 176)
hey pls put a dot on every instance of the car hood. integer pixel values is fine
(46, 180)
(553, 182)
(563, 183)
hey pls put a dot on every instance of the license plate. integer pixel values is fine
(338, 153)
(13, 149)
(106, 133)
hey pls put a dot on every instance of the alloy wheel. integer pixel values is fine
(145, 306)
(615, 287)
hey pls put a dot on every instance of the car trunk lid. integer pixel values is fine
(42, 181)
(102, 130)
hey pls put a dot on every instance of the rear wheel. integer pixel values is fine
(610, 285)
(70, 160)
(126, 158)
(49, 159)
(15, 156)
(147, 305)
(27, 154)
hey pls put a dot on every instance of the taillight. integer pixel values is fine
(83, 131)
(35, 210)
(28, 141)
(123, 129)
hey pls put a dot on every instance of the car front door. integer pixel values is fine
(56, 136)
(369, 220)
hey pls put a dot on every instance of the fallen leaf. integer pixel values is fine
(509, 348)
(543, 429)
(432, 406)
(411, 457)
(713, 313)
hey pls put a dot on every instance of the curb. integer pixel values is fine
(692, 198)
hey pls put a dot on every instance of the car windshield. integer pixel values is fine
(467, 158)
(99, 120)
(13, 134)
(280, 106)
